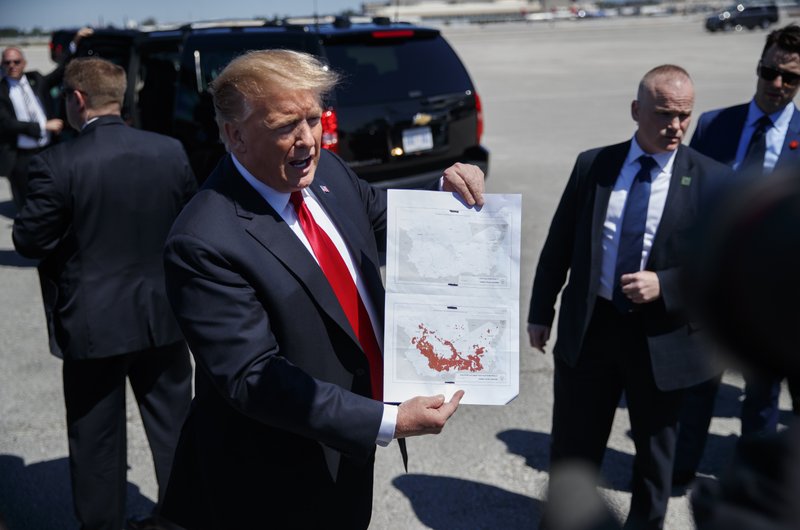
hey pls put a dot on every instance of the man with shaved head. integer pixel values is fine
(620, 232)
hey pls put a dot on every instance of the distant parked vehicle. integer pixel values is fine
(739, 16)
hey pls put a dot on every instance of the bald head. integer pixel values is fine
(13, 62)
(663, 108)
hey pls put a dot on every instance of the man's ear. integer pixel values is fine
(80, 99)
(635, 110)
(235, 140)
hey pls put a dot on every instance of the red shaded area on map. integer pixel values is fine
(456, 361)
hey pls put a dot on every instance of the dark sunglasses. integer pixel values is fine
(15, 62)
(767, 73)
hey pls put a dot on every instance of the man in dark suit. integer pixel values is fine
(98, 212)
(273, 274)
(26, 115)
(621, 231)
(755, 139)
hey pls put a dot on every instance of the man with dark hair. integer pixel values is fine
(621, 231)
(754, 138)
(26, 122)
(97, 215)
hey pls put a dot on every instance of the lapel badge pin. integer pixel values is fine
(324, 188)
(686, 181)
(793, 144)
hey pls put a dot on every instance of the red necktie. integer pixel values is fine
(335, 270)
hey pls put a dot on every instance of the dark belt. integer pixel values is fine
(607, 306)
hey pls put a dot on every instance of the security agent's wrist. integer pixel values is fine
(388, 425)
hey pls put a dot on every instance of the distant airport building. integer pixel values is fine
(460, 10)
(484, 11)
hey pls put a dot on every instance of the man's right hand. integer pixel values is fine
(425, 415)
(54, 126)
(538, 335)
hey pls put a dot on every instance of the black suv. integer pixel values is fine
(740, 16)
(405, 110)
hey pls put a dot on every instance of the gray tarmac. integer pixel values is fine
(549, 91)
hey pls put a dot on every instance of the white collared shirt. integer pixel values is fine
(280, 203)
(775, 134)
(612, 225)
(24, 112)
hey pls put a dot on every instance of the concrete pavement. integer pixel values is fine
(548, 92)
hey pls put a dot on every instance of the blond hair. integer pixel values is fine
(255, 75)
(103, 83)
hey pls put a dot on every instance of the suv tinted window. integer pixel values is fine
(212, 52)
(395, 69)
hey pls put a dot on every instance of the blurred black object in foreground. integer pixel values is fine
(747, 283)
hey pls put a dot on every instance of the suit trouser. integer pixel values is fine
(615, 358)
(760, 410)
(693, 424)
(18, 177)
(759, 414)
(94, 393)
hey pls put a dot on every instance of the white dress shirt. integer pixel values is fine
(280, 203)
(775, 134)
(27, 107)
(612, 225)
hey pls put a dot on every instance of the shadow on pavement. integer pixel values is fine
(718, 454)
(446, 503)
(535, 447)
(7, 209)
(10, 258)
(39, 495)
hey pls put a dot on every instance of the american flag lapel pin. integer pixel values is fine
(324, 188)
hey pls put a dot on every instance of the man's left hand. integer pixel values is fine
(466, 180)
(641, 287)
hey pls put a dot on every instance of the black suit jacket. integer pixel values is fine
(282, 402)
(11, 127)
(97, 215)
(573, 245)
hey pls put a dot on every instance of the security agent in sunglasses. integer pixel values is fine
(755, 139)
(26, 115)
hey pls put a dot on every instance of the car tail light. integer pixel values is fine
(479, 108)
(330, 131)
(393, 34)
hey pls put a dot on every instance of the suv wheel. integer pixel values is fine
(764, 23)
(726, 26)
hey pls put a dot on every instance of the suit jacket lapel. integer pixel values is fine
(327, 196)
(267, 227)
(678, 197)
(603, 175)
(734, 126)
